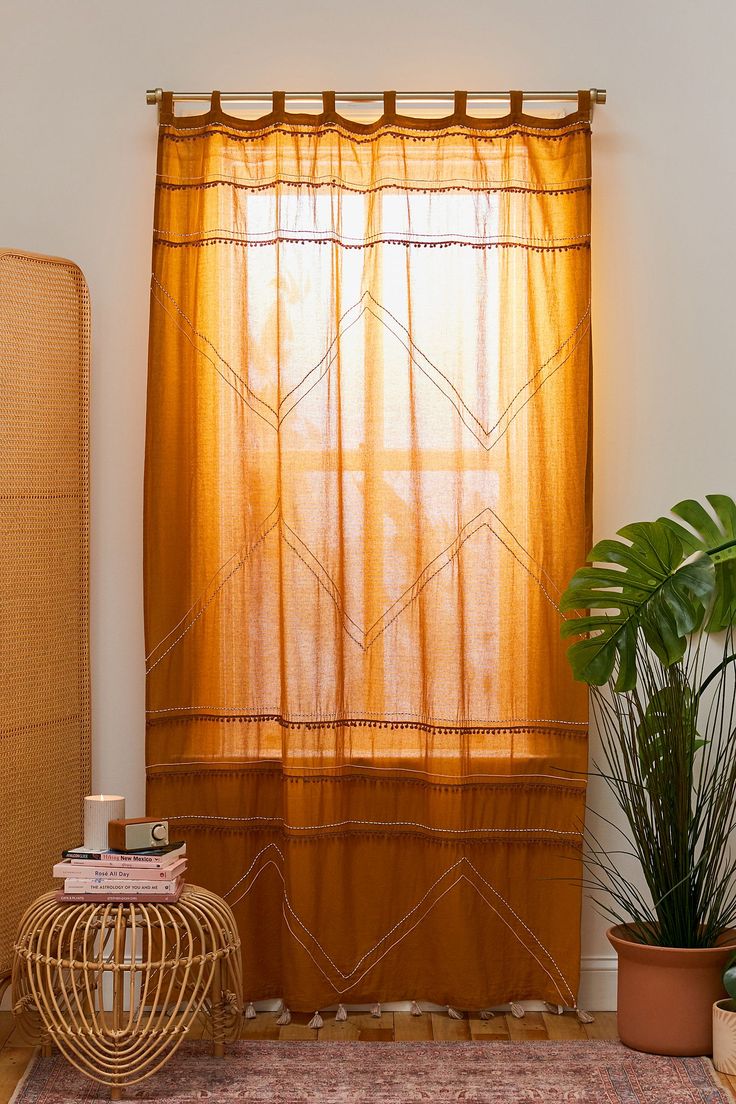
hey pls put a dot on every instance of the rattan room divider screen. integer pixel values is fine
(44, 568)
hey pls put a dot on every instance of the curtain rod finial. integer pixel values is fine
(153, 95)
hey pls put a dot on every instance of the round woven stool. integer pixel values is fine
(117, 986)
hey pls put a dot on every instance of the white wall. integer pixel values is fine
(77, 148)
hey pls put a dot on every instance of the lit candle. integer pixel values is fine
(98, 810)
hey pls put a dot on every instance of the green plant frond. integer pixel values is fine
(677, 609)
(686, 594)
(657, 547)
(729, 978)
(669, 760)
(599, 581)
(716, 537)
(626, 648)
(645, 606)
(653, 733)
(650, 588)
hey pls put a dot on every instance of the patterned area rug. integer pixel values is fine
(399, 1073)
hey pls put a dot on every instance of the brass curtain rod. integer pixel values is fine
(153, 96)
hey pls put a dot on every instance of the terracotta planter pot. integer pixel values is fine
(666, 994)
(724, 1037)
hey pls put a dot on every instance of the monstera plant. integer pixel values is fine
(666, 582)
(652, 625)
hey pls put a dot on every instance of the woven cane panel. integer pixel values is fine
(44, 515)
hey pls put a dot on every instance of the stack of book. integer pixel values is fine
(138, 876)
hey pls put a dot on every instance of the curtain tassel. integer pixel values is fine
(316, 1021)
(415, 1009)
(517, 1010)
(486, 1014)
(341, 1014)
(376, 1011)
(285, 1017)
(250, 1011)
(584, 1017)
(453, 1013)
(554, 1009)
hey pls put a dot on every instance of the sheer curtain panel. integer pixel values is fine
(367, 483)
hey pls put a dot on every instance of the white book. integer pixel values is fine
(84, 885)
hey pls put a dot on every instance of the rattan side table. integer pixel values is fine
(117, 986)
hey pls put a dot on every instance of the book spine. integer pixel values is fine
(117, 898)
(96, 871)
(112, 858)
(105, 885)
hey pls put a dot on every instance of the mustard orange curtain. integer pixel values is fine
(367, 483)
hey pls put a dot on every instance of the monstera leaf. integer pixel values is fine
(643, 586)
(717, 538)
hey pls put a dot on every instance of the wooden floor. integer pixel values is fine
(392, 1026)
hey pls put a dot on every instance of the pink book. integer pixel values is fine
(129, 873)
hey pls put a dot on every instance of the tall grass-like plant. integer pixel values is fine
(647, 609)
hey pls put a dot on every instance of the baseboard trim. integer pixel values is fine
(598, 980)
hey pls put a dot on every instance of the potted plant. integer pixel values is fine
(653, 620)
(724, 1023)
